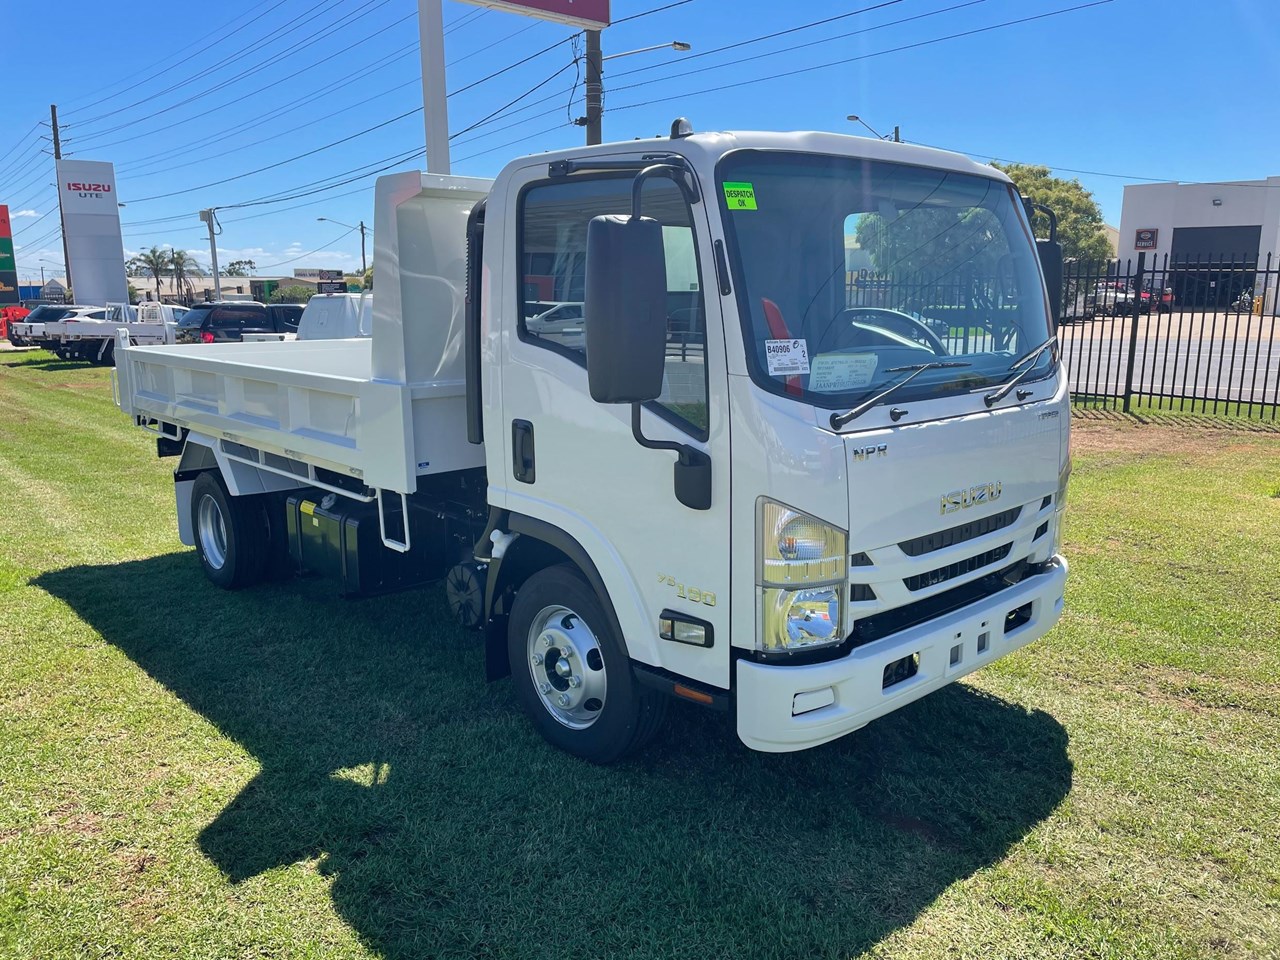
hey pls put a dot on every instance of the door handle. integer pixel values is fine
(522, 466)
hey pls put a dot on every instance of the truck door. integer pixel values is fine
(574, 462)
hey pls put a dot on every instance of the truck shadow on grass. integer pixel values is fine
(450, 829)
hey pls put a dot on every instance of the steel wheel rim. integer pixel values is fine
(213, 532)
(566, 666)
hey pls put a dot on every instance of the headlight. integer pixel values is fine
(801, 579)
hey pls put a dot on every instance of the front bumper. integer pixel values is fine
(766, 694)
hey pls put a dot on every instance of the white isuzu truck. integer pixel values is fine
(807, 465)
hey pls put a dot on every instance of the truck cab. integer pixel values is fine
(805, 461)
(827, 568)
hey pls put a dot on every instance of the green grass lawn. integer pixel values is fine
(280, 773)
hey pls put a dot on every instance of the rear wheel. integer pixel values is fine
(572, 675)
(231, 533)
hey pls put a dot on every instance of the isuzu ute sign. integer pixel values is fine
(91, 224)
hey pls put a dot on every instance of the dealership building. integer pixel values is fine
(1212, 236)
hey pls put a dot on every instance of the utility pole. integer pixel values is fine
(897, 134)
(364, 264)
(209, 217)
(595, 88)
(62, 221)
(434, 99)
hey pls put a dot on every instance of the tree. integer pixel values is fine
(155, 263)
(367, 282)
(1080, 225)
(293, 294)
(183, 267)
(240, 268)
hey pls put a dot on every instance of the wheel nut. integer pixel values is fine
(547, 641)
(567, 652)
(545, 688)
(575, 681)
(537, 659)
(564, 699)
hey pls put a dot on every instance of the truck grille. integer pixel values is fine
(966, 531)
(958, 569)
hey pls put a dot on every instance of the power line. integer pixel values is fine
(511, 103)
(394, 56)
(637, 16)
(806, 26)
(206, 45)
(299, 46)
(28, 226)
(272, 166)
(19, 161)
(268, 266)
(847, 60)
(158, 159)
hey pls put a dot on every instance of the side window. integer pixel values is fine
(230, 318)
(552, 252)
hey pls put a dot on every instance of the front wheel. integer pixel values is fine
(571, 673)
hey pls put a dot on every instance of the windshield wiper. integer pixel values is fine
(1028, 360)
(838, 420)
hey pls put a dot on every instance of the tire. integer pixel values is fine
(558, 633)
(230, 533)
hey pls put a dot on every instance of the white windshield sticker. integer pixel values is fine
(787, 357)
(833, 372)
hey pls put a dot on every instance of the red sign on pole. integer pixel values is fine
(585, 14)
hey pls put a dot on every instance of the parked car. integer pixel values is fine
(30, 329)
(1111, 298)
(563, 323)
(228, 321)
(1161, 298)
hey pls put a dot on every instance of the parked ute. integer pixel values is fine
(337, 316)
(228, 321)
(809, 517)
(93, 338)
(31, 330)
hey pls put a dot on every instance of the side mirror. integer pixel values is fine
(1050, 251)
(1051, 263)
(626, 309)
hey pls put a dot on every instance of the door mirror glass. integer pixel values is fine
(625, 308)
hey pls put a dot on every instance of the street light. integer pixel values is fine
(896, 138)
(364, 266)
(595, 80)
(677, 45)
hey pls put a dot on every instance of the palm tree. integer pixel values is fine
(154, 262)
(184, 267)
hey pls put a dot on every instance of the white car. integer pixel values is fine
(564, 323)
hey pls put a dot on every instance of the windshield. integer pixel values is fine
(849, 270)
(47, 313)
(194, 317)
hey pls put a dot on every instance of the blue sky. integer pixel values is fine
(182, 97)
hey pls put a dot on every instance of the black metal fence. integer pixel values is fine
(1188, 335)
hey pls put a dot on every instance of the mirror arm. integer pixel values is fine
(680, 176)
(1048, 212)
(692, 467)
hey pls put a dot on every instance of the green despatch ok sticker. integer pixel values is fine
(740, 196)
